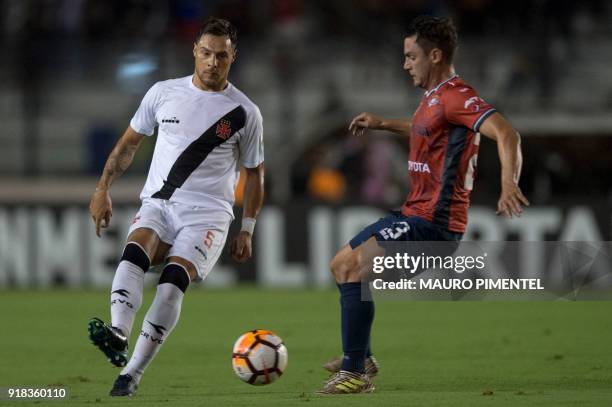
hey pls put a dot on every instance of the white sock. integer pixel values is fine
(126, 296)
(159, 321)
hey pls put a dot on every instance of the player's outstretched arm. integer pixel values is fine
(366, 120)
(100, 206)
(508, 140)
(241, 248)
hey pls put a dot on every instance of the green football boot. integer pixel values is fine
(110, 340)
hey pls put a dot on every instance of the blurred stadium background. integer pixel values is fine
(74, 71)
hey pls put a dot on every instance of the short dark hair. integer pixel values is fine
(218, 27)
(435, 32)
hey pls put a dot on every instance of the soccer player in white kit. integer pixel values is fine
(207, 130)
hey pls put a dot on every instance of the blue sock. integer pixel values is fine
(369, 350)
(357, 317)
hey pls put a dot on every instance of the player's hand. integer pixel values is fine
(511, 201)
(241, 248)
(101, 209)
(364, 121)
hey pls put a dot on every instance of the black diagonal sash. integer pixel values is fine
(217, 134)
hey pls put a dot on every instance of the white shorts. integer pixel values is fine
(196, 234)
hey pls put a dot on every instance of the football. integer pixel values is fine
(259, 357)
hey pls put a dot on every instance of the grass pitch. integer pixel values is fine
(431, 353)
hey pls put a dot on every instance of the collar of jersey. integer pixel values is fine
(429, 92)
(210, 92)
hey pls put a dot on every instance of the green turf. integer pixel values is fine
(432, 353)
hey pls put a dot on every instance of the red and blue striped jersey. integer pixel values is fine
(444, 152)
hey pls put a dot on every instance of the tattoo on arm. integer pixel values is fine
(118, 161)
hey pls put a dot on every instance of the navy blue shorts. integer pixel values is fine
(396, 227)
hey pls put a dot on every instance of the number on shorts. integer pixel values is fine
(208, 240)
(398, 229)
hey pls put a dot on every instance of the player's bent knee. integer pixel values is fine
(337, 265)
(192, 271)
(135, 254)
(344, 267)
(333, 266)
(175, 274)
(353, 275)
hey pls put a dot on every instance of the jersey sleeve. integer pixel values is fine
(144, 120)
(251, 145)
(464, 107)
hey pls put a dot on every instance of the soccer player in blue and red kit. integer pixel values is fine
(444, 136)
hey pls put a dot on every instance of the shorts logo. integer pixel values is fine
(136, 219)
(201, 252)
(224, 129)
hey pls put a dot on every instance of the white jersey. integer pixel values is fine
(203, 138)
